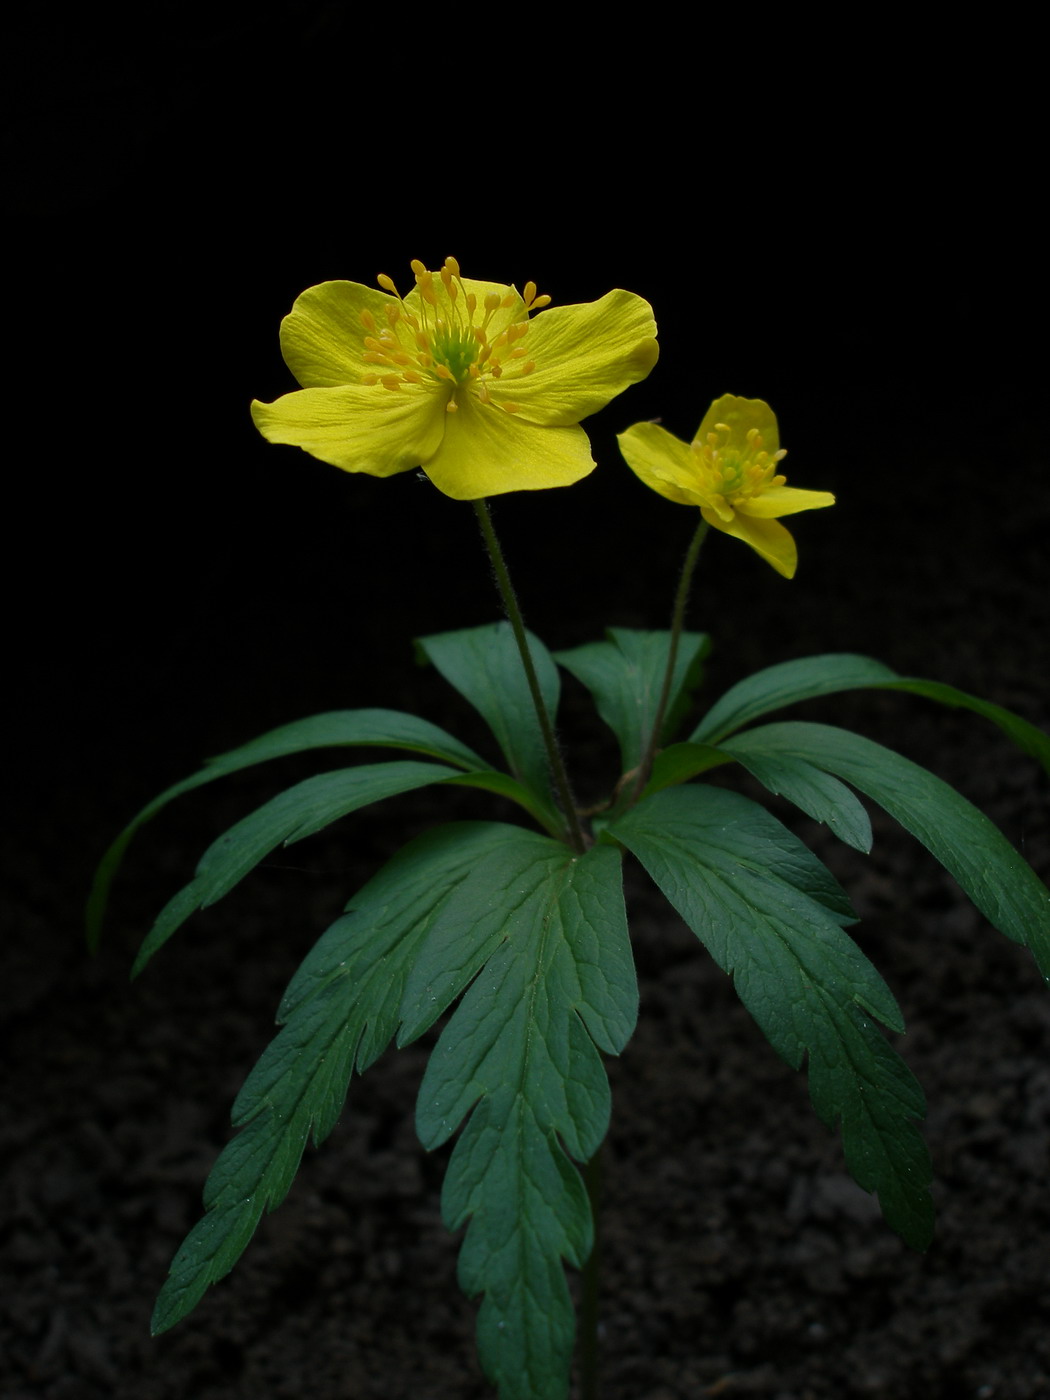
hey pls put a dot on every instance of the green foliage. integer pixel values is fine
(771, 916)
(483, 664)
(1003, 886)
(540, 938)
(521, 1056)
(625, 675)
(337, 729)
(301, 811)
(791, 681)
(522, 944)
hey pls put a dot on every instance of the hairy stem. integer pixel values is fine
(510, 607)
(681, 597)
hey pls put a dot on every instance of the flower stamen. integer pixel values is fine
(445, 340)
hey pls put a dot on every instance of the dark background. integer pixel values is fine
(856, 245)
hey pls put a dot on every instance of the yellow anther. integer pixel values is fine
(446, 333)
(720, 428)
(538, 303)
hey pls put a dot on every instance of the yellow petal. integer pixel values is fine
(766, 537)
(663, 462)
(584, 356)
(487, 451)
(739, 415)
(775, 501)
(322, 337)
(360, 428)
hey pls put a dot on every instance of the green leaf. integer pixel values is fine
(815, 792)
(1001, 884)
(340, 1011)
(785, 684)
(625, 675)
(337, 729)
(292, 815)
(484, 665)
(792, 681)
(520, 1056)
(758, 899)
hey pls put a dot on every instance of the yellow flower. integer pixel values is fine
(730, 471)
(455, 378)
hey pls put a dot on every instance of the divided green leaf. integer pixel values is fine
(538, 938)
(292, 815)
(520, 1056)
(336, 729)
(792, 681)
(484, 665)
(813, 791)
(625, 675)
(340, 1011)
(770, 915)
(1001, 884)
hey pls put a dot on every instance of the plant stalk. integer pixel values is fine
(510, 607)
(681, 597)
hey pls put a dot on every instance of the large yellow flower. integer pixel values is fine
(455, 378)
(730, 471)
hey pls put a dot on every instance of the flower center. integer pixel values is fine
(448, 339)
(733, 470)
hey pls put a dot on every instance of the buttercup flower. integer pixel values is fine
(730, 471)
(456, 378)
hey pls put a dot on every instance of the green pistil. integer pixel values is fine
(456, 352)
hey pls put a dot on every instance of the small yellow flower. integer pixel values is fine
(455, 378)
(730, 471)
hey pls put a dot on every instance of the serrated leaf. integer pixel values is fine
(813, 791)
(336, 729)
(625, 674)
(292, 815)
(733, 873)
(1001, 884)
(340, 1011)
(520, 1056)
(484, 665)
(792, 681)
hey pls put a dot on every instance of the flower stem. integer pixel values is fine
(510, 607)
(681, 597)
